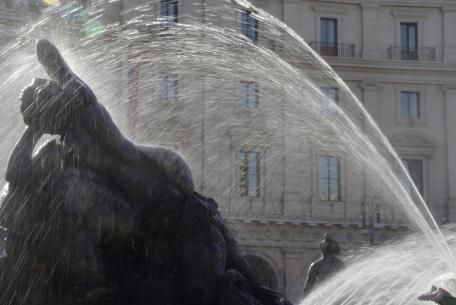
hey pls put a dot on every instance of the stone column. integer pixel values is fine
(370, 26)
(449, 34)
(450, 102)
(294, 281)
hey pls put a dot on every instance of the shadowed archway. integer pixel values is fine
(263, 271)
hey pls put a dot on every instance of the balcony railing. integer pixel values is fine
(275, 45)
(426, 54)
(334, 49)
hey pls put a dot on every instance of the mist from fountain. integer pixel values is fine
(293, 123)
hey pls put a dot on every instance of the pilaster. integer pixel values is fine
(294, 281)
(449, 34)
(450, 103)
(370, 26)
(371, 98)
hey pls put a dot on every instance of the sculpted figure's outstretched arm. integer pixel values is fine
(86, 126)
(77, 99)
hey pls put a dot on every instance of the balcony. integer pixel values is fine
(274, 44)
(424, 54)
(332, 49)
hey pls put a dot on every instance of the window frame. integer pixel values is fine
(325, 11)
(327, 20)
(167, 20)
(408, 16)
(338, 178)
(252, 34)
(166, 76)
(329, 108)
(247, 104)
(329, 48)
(245, 193)
(408, 53)
(423, 173)
(422, 91)
(418, 106)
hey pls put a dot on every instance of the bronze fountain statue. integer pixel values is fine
(325, 266)
(93, 218)
(439, 296)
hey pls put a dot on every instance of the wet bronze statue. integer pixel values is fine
(439, 296)
(325, 266)
(93, 218)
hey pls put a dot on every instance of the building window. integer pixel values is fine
(414, 168)
(249, 25)
(330, 178)
(249, 94)
(409, 41)
(249, 169)
(168, 87)
(330, 99)
(169, 11)
(410, 104)
(328, 36)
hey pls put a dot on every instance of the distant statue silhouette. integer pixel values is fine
(325, 266)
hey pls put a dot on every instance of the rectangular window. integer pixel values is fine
(414, 168)
(330, 179)
(330, 99)
(168, 87)
(249, 94)
(328, 36)
(169, 11)
(410, 104)
(249, 25)
(409, 41)
(249, 170)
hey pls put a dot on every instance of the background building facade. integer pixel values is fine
(397, 57)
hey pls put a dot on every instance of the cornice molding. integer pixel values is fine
(449, 8)
(328, 9)
(373, 5)
(370, 85)
(415, 13)
(449, 88)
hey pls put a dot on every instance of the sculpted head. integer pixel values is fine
(39, 103)
(328, 246)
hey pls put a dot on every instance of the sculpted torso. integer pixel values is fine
(67, 107)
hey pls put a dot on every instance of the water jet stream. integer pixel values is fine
(203, 118)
